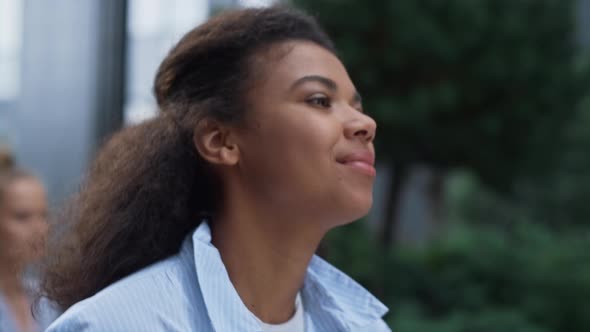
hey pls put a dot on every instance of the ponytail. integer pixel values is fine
(146, 190)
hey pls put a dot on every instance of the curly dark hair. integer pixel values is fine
(148, 187)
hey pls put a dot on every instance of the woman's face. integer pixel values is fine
(308, 146)
(23, 224)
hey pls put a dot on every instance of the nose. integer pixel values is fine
(41, 225)
(361, 127)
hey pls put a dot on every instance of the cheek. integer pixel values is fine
(11, 231)
(308, 152)
(6, 239)
(293, 158)
(12, 240)
(17, 237)
(298, 135)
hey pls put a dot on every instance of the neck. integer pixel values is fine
(10, 279)
(266, 255)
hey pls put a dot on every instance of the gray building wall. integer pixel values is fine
(56, 122)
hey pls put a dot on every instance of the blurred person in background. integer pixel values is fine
(207, 217)
(23, 226)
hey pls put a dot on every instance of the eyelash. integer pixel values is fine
(322, 101)
(325, 102)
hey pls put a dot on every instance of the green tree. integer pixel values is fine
(475, 278)
(486, 85)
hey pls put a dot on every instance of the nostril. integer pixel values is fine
(362, 132)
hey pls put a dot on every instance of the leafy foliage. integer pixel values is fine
(483, 279)
(487, 85)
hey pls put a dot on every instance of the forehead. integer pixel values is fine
(286, 62)
(23, 190)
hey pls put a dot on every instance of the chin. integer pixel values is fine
(356, 209)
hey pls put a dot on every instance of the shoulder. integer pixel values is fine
(6, 321)
(161, 297)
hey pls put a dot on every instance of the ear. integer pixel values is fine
(215, 143)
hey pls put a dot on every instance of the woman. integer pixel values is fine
(207, 217)
(23, 209)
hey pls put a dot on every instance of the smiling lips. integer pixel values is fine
(362, 161)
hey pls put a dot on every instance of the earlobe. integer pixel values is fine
(230, 154)
(213, 143)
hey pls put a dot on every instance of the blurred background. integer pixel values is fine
(481, 219)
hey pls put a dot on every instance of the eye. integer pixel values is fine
(320, 100)
(22, 216)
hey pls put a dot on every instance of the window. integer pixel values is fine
(153, 28)
(255, 3)
(11, 13)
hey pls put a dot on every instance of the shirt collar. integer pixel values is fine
(327, 293)
(224, 305)
(332, 293)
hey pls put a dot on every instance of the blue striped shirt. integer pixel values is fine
(191, 291)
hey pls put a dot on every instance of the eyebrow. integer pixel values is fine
(328, 83)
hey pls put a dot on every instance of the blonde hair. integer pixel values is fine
(9, 170)
(6, 159)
